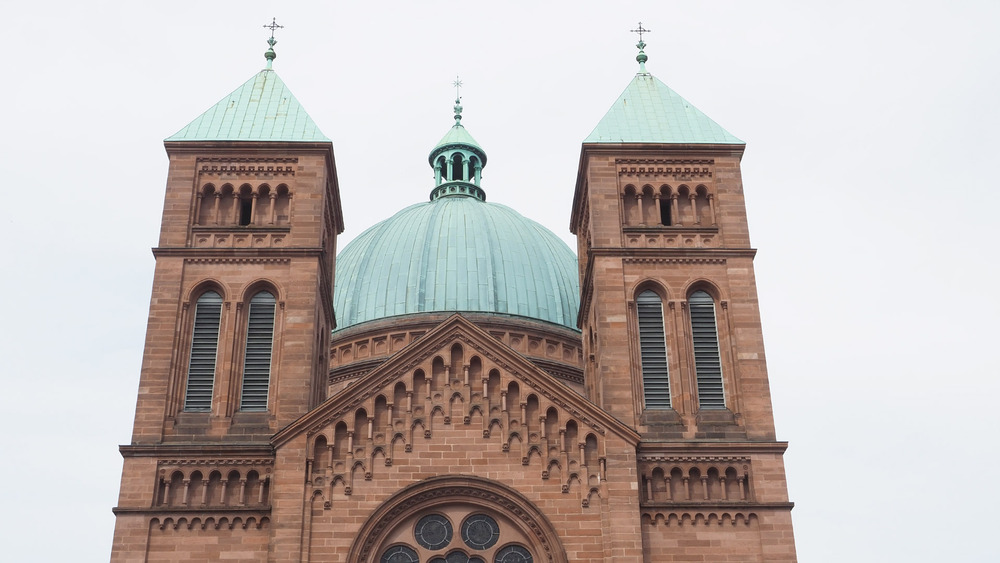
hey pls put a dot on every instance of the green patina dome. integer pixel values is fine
(457, 253)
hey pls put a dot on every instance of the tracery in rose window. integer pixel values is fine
(431, 537)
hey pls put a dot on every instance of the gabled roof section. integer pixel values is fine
(262, 109)
(456, 328)
(648, 111)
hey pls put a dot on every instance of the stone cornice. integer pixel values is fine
(430, 319)
(164, 513)
(664, 451)
(239, 229)
(237, 253)
(714, 506)
(197, 451)
(243, 166)
(247, 149)
(674, 253)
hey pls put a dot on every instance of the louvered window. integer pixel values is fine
(257, 359)
(653, 351)
(707, 365)
(204, 349)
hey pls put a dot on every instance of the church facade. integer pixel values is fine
(456, 385)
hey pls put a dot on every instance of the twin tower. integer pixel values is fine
(455, 385)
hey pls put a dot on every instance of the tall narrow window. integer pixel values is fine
(665, 211)
(257, 359)
(204, 349)
(707, 365)
(653, 351)
(246, 211)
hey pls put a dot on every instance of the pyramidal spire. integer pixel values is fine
(648, 111)
(262, 109)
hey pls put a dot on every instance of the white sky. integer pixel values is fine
(870, 176)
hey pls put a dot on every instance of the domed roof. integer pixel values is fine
(457, 253)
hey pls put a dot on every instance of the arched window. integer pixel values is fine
(204, 349)
(707, 364)
(257, 358)
(653, 351)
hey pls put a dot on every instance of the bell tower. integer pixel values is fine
(669, 314)
(237, 342)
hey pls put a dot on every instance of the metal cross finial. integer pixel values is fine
(640, 31)
(274, 25)
(458, 100)
(270, 54)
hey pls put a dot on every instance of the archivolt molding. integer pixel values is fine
(464, 489)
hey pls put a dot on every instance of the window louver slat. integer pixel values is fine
(653, 351)
(707, 363)
(257, 358)
(204, 349)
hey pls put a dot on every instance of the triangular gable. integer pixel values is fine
(262, 109)
(457, 329)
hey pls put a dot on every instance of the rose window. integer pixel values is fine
(481, 538)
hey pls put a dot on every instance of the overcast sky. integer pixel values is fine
(870, 176)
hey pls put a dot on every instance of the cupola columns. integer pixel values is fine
(458, 161)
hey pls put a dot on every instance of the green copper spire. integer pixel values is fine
(650, 112)
(262, 109)
(457, 159)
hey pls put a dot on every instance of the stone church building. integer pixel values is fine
(456, 385)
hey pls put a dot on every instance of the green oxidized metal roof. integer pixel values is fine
(262, 109)
(650, 112)
(457, 135)
(457, 253)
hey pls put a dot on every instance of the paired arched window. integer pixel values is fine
(707, 363)
(257, 357)
(204, 349)
(653, 351)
